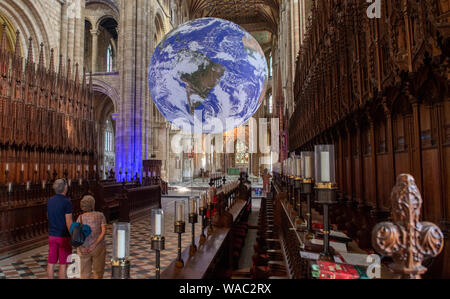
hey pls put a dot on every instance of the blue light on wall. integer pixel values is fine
(129, 147)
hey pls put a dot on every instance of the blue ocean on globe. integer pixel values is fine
(210, 70)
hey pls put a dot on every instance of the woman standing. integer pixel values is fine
(93, 252)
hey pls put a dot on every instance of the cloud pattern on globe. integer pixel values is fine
(211, 69)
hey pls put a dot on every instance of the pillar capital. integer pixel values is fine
(95, 32)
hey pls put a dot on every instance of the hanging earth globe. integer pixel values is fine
(208, 76)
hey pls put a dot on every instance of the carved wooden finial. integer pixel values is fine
(407, 240)
(17, 45)
(77, 81)
(41, 57)
(30, 51)
(3, 42)
(52, 62)
(69, 70)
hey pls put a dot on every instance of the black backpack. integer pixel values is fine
(77, 238)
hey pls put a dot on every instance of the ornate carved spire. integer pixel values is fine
(52, 62)
(17, 60)
(30, 52)
(17, 45)
(69, 70)
(4, 59)
(407, 240)
(3, 42)
(41, 57)
(77, 81)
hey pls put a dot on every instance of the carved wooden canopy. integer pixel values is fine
(251, 14)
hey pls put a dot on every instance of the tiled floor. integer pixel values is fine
(33, 264)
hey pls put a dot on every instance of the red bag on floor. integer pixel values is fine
(317, 225)
(330, 270)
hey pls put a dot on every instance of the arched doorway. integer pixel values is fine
(104, 111)
(101, 45)
(107, 45)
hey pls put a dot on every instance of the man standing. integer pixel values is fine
(59, 211)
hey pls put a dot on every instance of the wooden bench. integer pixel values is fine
(138, 202)
(107, 197)
(217, 250)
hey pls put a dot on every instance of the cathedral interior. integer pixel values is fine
(348, 168)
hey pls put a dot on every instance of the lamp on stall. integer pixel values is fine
(298, 180)
(22, 172)
(121, 251)
(210, 209)
(307, 161)
(35, 172)
(158, 239)
(202, 210)
(179, 228)
(292, 180)
(193, 219)
(6, 171)
(286, 177)
(326, 188)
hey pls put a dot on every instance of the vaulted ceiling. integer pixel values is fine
(253, 15)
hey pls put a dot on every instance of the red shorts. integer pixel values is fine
(59, 249)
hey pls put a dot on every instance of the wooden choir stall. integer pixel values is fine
(48, 131)
(377, 89)
(221, 242)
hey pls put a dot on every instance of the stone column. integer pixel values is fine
(133, 83)
(94, 51)
(63, 34)
(78, 53)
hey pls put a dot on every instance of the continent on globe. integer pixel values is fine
(202, 81)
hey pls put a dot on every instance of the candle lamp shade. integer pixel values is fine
(290, 166)
(298, 167)
(307, 162)
(121, 241)
(193, 205)
(180, 206)
(287, 167)
(325, 171)
(294, 166)
(157, 222)
(203, 201)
